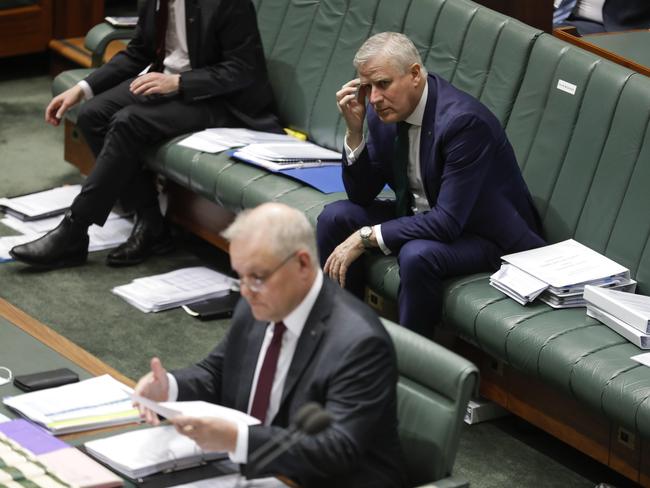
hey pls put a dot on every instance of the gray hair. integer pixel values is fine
(282, 229)
(398, 49)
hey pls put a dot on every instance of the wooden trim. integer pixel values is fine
(59, 343)
(569, 34)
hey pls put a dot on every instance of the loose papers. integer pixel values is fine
(176, 288)
(96, 402)
(221, 139)
(277, 156)
(41, 204)
(558, 274)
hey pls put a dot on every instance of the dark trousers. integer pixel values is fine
(119, 127)
(423, 264)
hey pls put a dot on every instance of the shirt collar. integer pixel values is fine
(295, 321)
(417, 115)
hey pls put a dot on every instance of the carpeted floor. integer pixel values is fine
(77, 303)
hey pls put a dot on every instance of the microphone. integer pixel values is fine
(310, 420)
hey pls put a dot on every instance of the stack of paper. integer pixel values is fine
(96, 402)
(176, 288)
(221, 139)
(42, 204)
(625, 313)
(277, 156)
(558, 273)
(30, 456)
(143, 452)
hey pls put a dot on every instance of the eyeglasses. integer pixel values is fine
(256, 284)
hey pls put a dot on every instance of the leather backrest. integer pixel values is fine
(433, 390)
(310, 44)
(585, 155)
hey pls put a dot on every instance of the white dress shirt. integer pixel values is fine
(294, 323)
(420, 202)
(177, 58)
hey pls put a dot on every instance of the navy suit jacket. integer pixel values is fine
(621, 15)
(469, 172)
(345, 361)
(226, 56)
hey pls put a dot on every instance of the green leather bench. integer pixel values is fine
(583, 155)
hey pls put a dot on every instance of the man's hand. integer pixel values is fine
(155, 386)
(350, 100)
(155, 84)
(60, 104)
(337, 264)
(211, 434)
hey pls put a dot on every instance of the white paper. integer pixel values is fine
(4, 418)
(513, 281)
(221, 139)
(565, 263)
(176, 288)
(234, 481)
(42, 202)
(642, 358)
(40, 226)
(8, 242)
(78, 406)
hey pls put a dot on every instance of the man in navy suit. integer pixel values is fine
(328, 347)
(461, 201)
(192, 64)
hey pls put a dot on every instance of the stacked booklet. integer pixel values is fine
(558, 274)
(176, 288)
(93, 403)
(277, 156)
(625, 313)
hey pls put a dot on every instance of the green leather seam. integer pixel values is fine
(195, 159)
(388, 271)
(215, 194)
(434, 25)
(491, 302)
(560, 167)
(515, 325)
(492, 52)
(629, 179)
(277, 32)
(609, 381)
(523, 161)
(555, 336)
(286, 192)
(462, 43)
(600, 156)
(636, 413)
(246, 185)
(329, 62)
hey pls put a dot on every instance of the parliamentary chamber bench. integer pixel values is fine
(579, 127)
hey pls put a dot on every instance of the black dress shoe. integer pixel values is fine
(66, 245)
(150, 236)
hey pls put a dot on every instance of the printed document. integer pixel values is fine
(221, 139)
(41, 204)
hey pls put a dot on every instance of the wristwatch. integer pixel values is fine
(365, 233)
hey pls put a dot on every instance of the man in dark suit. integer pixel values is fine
(204, 67)
(329, 348)
(592, 16)
(461, 201)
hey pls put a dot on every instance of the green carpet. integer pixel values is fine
(77, 303)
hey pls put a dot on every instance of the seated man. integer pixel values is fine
(205, 67)
(591, 16)
(296, 338)
(461, 201)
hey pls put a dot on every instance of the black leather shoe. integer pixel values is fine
(66, 245)
(150, 236)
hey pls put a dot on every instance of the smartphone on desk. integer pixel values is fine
(214, 308)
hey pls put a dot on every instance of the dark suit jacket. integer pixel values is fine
(345, 361)
(621, 15)
(469, 172)
(225, 53)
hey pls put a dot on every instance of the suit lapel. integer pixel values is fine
(308, 341)
(255, 337)
(193, 30)
(427, 138)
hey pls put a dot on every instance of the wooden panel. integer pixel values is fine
(538, 13)
(625, 452)
(25, 30)
(76, 150)
(74, 18)
(644, 475)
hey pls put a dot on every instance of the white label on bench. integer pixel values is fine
(565, 86)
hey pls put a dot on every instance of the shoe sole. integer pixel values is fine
(158, 250)
(64, 263)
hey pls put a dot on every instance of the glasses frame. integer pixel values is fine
(257, 284)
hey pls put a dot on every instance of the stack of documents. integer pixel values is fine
(558, 274)
(143, 452)
(42, 204)
(221, 139)
(176, 288)
(96, 402)
(277, 156)
(30, 456)
(625, 313)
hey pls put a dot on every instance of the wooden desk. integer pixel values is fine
(628, 48)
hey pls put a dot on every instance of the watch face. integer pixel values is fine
(366, 232)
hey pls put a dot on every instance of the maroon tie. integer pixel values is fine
(265, 379)
(161, 30)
